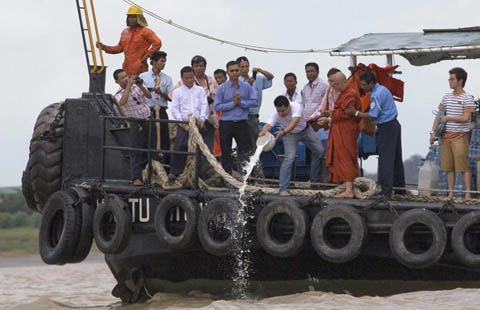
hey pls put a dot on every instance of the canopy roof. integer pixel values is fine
(419, 48)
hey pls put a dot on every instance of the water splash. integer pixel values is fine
(240, 236)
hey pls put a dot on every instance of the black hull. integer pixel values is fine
(374, 272)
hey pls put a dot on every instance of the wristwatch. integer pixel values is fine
(432, 132)
(356, 113)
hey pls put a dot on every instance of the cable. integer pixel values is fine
(236, 44)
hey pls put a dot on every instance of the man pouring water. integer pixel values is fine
(294, 129)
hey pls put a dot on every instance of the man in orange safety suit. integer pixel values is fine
(137, 42)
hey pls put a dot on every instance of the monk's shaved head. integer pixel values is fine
(339, 81)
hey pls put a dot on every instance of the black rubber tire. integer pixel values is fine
(57, 237)
(85, 236)
(265, 235)
(397, 236)
(358, 234)
(221, 213)
(27, 190)
(46, 157)
(112, 225)
(162, 214)
(460, 250)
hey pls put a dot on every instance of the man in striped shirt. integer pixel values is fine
(131, 98)
(458, 106)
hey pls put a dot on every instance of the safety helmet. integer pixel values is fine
(134, 10)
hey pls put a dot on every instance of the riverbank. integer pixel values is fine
(18, 241)
(19, 248)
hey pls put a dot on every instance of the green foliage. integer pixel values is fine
(14, 211)
(13, 202)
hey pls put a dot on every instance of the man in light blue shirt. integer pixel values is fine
(234, 98)
(160, 85)
(261, 79)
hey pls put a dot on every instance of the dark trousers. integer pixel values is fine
(178, 161)
(390, 162)
(253, 123)
(139, 137)
(208, 135)
(240, 132)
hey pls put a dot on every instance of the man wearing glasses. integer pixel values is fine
(234, 98)
(458, 106)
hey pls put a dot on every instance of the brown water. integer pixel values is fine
(26, 283)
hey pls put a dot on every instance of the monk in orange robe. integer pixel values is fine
(342, 145)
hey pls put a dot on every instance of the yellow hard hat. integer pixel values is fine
(134, 10)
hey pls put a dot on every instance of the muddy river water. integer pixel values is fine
(27, 283)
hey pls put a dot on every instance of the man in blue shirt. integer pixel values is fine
(234, 98)
(261, 79)
(383, 113)
(160, 85)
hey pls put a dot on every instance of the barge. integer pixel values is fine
(179, 237)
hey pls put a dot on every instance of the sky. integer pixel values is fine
(44, 60)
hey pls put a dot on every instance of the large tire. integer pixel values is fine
(57, 237)
(27, 190)
(215, 225)
(346, 251)
(112, 225)
(419, 258)
(282, 227)
(85, 235)
(46, 156)
(459, 244)
(45, 119)
(166, 230)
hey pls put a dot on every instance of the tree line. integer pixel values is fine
(14, 211)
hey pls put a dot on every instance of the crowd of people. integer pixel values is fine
(226, 108)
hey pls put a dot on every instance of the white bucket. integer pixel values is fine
(267, 142)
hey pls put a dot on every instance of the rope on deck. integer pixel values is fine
(362, 187)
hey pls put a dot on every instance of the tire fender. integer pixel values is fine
(85, 236)
(164, 209)
(358, 234)
(298, 219)
(218, 214)
(57, 237)
(459, 247)
(112, 225)
(400, 227)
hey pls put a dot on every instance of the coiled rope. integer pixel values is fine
(363, 187)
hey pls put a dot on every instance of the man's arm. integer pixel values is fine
(267, 74)
(218, 101)
(126, 93)
(155, 43)
(293, 123)
(145, 91)
(265, 129)
(251, 99)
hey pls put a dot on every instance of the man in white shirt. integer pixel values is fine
(188, 99)
(294, 129)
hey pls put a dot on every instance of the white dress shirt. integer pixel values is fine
(186, 101)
